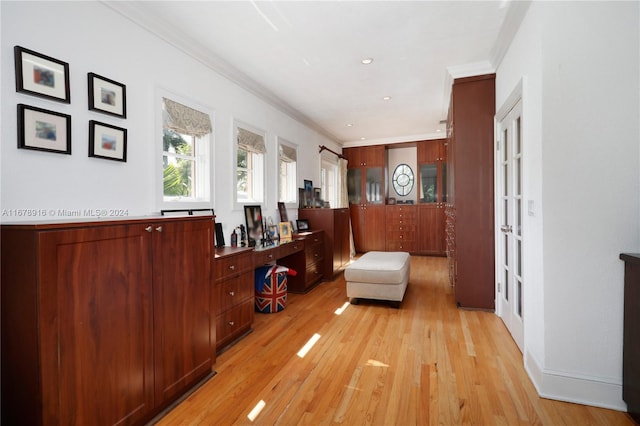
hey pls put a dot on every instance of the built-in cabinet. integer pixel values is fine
(417, 228)
(233, 294)
(470, 199)
(104, 322)
(367, 191)
(337, 246)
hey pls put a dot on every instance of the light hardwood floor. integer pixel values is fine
(425, 363)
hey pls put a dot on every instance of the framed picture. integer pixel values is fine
(282, 209)
(285, 231)
(43, 130)
(41, 75)
(107, 96)
(302, 224)
(317, 200)
(255, 230)
(107, 141)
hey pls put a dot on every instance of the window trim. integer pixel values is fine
(239, 204)
(281, 141)
(158, 171)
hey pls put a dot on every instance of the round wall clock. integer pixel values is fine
(402, 179)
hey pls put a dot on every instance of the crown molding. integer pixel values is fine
(514, 17)
(132, 10)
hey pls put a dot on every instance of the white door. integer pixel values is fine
(510, 286)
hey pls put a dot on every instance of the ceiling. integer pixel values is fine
(304, 57)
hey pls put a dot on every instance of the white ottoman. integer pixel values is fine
(378, 275)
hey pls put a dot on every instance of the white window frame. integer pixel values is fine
(257, 170)
(329, 180)
(291, 175)
(204, 149)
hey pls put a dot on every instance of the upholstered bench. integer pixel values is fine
(378, 275)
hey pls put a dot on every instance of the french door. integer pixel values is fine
(509, 244)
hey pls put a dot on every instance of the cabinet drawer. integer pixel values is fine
(314, 254)
(313, 273)
(292, 247)
(234, 322)
(233, 291)
(230, 265)
(401, 236)
(408, 246)
(265, 257)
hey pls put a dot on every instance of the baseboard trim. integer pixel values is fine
(562, 386)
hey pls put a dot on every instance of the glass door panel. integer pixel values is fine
(354, 186)
(428, 183)
(374, 191)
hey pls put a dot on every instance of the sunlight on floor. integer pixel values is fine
(374, 363)
(341, 309)
(302, 352)
(256, 410)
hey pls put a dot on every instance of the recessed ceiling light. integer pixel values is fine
(362, 138)
(386, 98)
(367, 61)
(438, 130)
(349, 125)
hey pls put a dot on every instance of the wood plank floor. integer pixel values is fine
(425, 363)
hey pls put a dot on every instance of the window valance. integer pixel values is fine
(184, 119)
(288, 153)
(251, 141)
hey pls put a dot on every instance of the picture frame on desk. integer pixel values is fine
(302, 224)
(285, 231)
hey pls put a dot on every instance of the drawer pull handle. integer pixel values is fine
(148, 229)
(231, 323)
(232, 293)
(232, 267)
(159, 229)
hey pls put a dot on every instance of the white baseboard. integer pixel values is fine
(563, 386)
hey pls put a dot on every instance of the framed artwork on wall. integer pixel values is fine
(43, 130)
(41, 75)
(107, 96)
(107, 141)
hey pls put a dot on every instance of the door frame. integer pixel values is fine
(516, 97)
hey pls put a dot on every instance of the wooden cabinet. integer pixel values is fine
(432, 196)
(470, 158)
(366, 188)
(233, 293)
(402, 228)
(335, 224)
(631, 335)
(103, 322)
(305, 255)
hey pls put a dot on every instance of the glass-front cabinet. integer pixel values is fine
(432, 195)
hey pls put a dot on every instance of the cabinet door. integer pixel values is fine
(183, 332)
(374, 156)
(374, 228)
(342, 249)
(95, 319)
(431, 225)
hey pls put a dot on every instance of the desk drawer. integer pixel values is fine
(234, 322)
(231, 265)
(314, 254)
(233, 291)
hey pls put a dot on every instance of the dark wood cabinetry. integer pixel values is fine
(335, 224)
(402, 228)
(103, 322)
(367, 191)
(470, 203)
(233, 293)
(631, 335)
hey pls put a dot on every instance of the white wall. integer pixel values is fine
(579, 62)
(93, 38)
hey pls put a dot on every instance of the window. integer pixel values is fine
(185, 153)
(287, 175)
(249, 166)
(329, 182)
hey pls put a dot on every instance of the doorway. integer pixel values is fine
(509, 212)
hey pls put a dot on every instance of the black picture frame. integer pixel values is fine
(43, 130)
(41, 75)
(302, 225)
(282, 209)
(253, 220)
(107, 141)
(107, 96)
